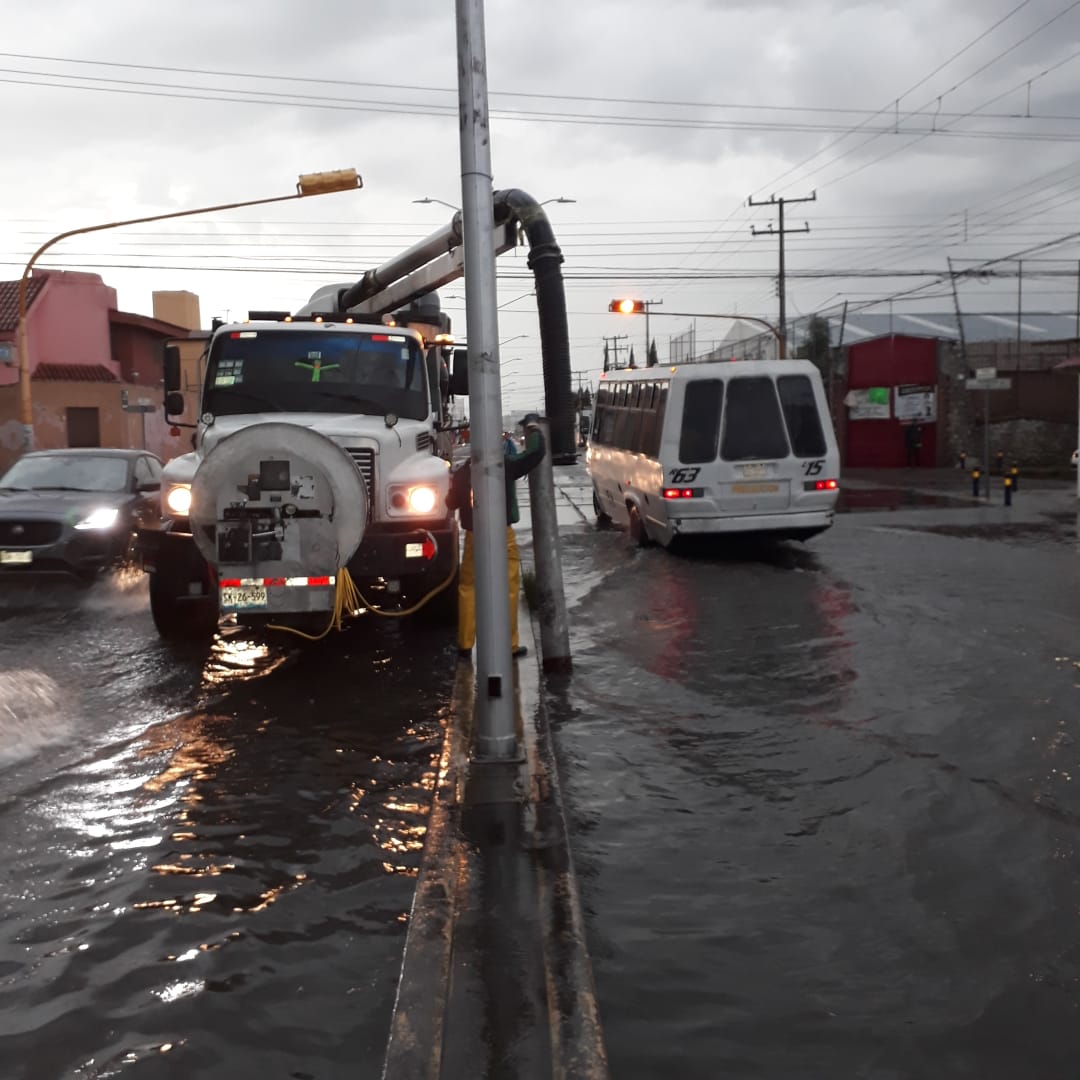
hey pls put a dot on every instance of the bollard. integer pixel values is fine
(975, 474)
(1014, 475)
(1000, 462)
(1008, 490)
(963, 460)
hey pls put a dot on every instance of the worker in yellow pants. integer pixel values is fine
(466, 633)
(460, 498)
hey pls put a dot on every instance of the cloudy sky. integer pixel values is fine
(926, 130)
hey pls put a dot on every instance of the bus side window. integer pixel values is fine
(700, 433)
(659, 408)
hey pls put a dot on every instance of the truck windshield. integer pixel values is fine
(324, 371)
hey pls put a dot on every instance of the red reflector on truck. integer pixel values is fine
(237, 583)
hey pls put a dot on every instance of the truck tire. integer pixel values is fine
(176, 617)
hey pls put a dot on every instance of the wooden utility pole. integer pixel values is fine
(781, 232)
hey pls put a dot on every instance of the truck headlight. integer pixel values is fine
(178, 499)
(104, 517)
(420, 499)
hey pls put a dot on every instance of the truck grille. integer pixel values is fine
(423, 441)
(365, 462)
(30, 533)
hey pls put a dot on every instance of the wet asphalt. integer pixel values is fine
(821, 799)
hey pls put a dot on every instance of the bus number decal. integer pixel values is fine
(684, 476)
(813, 468)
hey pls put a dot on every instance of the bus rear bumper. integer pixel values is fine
(787, 522)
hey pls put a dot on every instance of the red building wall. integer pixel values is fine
(890, 361)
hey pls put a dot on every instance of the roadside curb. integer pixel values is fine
(437, 1023)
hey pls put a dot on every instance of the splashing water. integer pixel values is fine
(31, 715)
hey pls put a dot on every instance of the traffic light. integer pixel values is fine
(627, 306)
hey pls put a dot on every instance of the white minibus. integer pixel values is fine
(714, 448)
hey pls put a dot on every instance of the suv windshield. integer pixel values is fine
(67, 472)
(318, 371)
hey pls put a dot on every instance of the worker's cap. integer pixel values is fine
(530, 418)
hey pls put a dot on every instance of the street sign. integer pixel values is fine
(989, 384)
(986, 373)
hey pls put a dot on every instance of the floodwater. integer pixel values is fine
(824, 802)
(208, 856)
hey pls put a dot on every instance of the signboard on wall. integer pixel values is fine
(916, 403)
(869, 404)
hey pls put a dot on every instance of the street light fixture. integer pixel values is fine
(322, 183)
(428, 199)
(560, 199)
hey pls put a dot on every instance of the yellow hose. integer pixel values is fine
(348, 598)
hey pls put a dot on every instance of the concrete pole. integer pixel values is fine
(554, 626)
(495, 735)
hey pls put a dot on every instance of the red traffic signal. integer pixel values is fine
(627, 307)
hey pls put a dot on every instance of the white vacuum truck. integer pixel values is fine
(314, 489)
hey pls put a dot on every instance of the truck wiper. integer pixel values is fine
(254, 395)
(377, 407)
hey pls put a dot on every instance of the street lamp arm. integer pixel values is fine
(309, 184)
(716, 315)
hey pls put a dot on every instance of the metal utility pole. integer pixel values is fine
(1019, 310)
(495, 733)
(615, 347)
(648, 342)
(781, 232)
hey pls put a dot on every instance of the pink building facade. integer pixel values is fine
(86, 357)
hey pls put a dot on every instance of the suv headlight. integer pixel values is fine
(178, 499)
(104, 517)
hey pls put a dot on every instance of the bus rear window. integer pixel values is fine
(701, 421)
(801, 415)
(753, 426)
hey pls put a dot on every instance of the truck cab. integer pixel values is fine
(314, 473)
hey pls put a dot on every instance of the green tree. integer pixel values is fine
(816, 344)
(653, 359)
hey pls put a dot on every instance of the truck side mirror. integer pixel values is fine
(172, 368)
(459, 377)
(174, 403)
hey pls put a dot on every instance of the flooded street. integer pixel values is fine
(209, 858)
(823, 799)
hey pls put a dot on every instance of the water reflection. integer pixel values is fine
(263, 842)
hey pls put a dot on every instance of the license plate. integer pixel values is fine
(753, 472)
(755, 489)
(243, 596)
(16, 558)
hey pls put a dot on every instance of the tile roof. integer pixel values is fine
(9, 299)
(74, 373)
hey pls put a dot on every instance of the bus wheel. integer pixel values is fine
(638, 532)
(602, 520)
